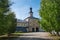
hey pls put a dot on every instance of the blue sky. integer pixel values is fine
(21, 8)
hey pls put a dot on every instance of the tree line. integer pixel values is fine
(50, 15)
(7, 18)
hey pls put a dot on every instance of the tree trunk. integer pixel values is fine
(57, 33)
(53, 34)
(50, 32)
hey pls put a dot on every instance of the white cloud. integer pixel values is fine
(21, 12)
(21, 8)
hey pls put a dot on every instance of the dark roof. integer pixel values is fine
(31, 18)
(18, 20)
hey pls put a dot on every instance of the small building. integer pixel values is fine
(21, 26)
(29, 24)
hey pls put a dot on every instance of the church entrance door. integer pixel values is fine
(37, 29)
(33, 30)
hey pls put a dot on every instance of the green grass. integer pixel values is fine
(54, 37)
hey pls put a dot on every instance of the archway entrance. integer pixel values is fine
(37, 29)
(33, 30)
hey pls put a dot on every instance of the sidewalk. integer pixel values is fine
(39, 35)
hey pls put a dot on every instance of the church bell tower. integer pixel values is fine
(31, 13)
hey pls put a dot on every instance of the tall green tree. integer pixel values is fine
(50, 15)
(7, 20)
(11, 22)
(4, 8)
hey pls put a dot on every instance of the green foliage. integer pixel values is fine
(3, 9)
(4, 6)
(7, 18)
(50, 15)
(11, 22)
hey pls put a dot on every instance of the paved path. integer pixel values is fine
(44, 35)
(32, 36)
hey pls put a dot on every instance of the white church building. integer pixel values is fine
(29, 24)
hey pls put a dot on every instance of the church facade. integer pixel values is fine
(29, 24)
